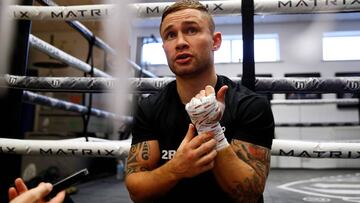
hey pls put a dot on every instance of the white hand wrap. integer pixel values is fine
(205, 114)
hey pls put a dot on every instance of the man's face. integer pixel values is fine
(188, 42)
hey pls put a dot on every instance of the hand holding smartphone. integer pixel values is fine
(67, 182)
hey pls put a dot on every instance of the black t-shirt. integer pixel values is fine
(163, 117)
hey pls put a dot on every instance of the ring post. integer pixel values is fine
(11, 107)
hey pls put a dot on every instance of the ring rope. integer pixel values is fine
(148, 85)
(67, 147)
(312, 149)
(261, 7)
(63, 56)
(64, 105)
(34, 98)
(82, 29)
(83, 12)
(111, 148)
(73, 61)
(60, 84)
(143, 71)
(149, 10)
(324, 124)
(346, 101)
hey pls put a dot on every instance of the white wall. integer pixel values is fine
(300, 51)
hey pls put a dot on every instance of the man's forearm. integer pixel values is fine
(148, 185)
(238, 178)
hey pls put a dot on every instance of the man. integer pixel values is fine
(167, 162)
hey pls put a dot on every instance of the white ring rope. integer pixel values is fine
(73, 61)
(312, 149)
(84, 12)
(70, 147)
(261, 7)
(141, 70)
(82, 29)
(111, 148)
(148, 10)
(63, 56)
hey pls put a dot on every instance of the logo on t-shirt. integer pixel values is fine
(167, 154)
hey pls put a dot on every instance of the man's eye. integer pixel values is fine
(170, 35)
(192, 30)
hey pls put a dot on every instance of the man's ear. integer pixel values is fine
(217, 40)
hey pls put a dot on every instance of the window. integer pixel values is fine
(341, 46)
(223, 54)
(236, 50)
(153, 54)
(266, 48)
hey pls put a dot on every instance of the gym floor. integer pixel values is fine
(283, 186)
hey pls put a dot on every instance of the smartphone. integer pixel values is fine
(67, 182)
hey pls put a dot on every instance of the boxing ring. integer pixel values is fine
(103, 82)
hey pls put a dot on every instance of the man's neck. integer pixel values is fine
(189, 87)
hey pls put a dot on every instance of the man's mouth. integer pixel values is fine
(183, 58)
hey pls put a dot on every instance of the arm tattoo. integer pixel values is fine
(145, 151)
(242, 189)
(259, 159)
(256, 156)
(138, 153)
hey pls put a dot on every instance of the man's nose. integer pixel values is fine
(181, 42)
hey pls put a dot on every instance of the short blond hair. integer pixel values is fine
(189, 4)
